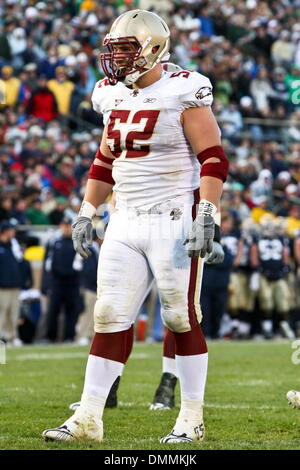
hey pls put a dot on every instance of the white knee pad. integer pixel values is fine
(176, 321)
(109, 319)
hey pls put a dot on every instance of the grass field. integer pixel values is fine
(245, 398)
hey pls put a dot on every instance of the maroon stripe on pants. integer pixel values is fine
(113, 346)
(169, 344)
(191, 342)
(193, 273)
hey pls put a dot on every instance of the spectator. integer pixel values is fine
(214, 290)
(184, 21)
(283, 49)
(279, 87)
(262, 186)
(64, 266)
(65, 182)
(57, 214)
(62, 90)
(17, 43)
(48, 65)
(43, 103)
(292, 81)
(5, 51)
(19, 212)
(261, 91)
(12, 86)
(35, 214)
(85, 328)
(231, 121)
(5, 208)
(87, 77)
(10, 283)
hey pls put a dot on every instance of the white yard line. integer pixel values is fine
(211, 405)
(67, 355)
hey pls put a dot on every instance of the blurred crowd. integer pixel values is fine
(49, 133)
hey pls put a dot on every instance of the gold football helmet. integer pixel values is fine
(137, 41)
(267, 226)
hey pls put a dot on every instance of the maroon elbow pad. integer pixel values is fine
(218, 169)
(101, 173)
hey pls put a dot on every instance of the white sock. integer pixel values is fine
(244, 328)
(99, 376)
(169, 366)
(91, 405)
(191, 409)
(192, 372)
(235, 323)
(267, 326)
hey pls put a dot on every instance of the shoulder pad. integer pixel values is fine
(196, 89)
(99, 93)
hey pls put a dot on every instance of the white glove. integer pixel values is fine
(217, 254)
(82, 233)
(199, 241)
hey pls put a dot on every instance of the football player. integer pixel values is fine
(160, 139)
(247, 285)
(293, 396)
(273, 294)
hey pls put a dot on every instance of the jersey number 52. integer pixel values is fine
(123, 140)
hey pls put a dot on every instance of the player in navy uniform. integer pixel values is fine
(273, 294)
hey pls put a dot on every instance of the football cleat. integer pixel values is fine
(80, 427)
(293, 397)
(164, 395)
(111, 401)
(189, 425)
(184, 432)
(174, 438)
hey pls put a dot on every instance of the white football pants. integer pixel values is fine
(142, 245)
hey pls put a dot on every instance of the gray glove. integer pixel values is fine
(217, 254)
(82, 232)
(200, 238)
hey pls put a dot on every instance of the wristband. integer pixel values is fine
(207, 208)
(87, 210)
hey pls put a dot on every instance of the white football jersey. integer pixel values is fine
(154, 161)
